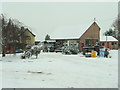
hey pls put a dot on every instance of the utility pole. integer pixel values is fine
(94, 19)
(106, 40)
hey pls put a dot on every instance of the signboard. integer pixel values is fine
(102, 53)
(94, 54)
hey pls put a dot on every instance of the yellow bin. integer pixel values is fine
(94, 54)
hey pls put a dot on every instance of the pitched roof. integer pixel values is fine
(30, 32)
(70, 32)
(109, 38)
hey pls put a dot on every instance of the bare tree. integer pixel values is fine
(3, 26)
(12, 31)
(0, 34)
(116, 25)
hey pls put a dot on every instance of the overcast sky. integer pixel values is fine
(47, 18)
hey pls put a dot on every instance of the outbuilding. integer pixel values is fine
(109, 42)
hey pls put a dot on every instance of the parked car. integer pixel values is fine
(58, 50)
(8, 51)
(19, 51)
(87, 50)
(51, 49)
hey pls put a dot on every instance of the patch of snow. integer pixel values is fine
(109, 38)
(1, 76)
(54, 70)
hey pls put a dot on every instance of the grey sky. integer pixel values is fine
(46, 18)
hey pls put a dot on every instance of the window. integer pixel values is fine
(87, 42)
(103, 44)
(96, 41)
(112, 43)
(115, 43)
(28, 37)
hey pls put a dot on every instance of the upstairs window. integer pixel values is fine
(28, 38)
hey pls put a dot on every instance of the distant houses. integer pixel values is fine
(14, 35)
(88, 35)
(85, 37)
(25, 38)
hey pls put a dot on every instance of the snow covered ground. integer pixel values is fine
(0, 72)
(54, 70)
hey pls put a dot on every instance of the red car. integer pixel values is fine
(8, 51)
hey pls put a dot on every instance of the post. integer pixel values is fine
(94, 19)
(106, 41)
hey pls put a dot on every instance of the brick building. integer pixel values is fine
(109, 42)
(91, 36)
(88, 34)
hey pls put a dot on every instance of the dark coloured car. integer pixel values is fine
(51, 49)
(58, 50)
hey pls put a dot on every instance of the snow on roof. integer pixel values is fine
(109, 38)
(70, 32)
(51, 40)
